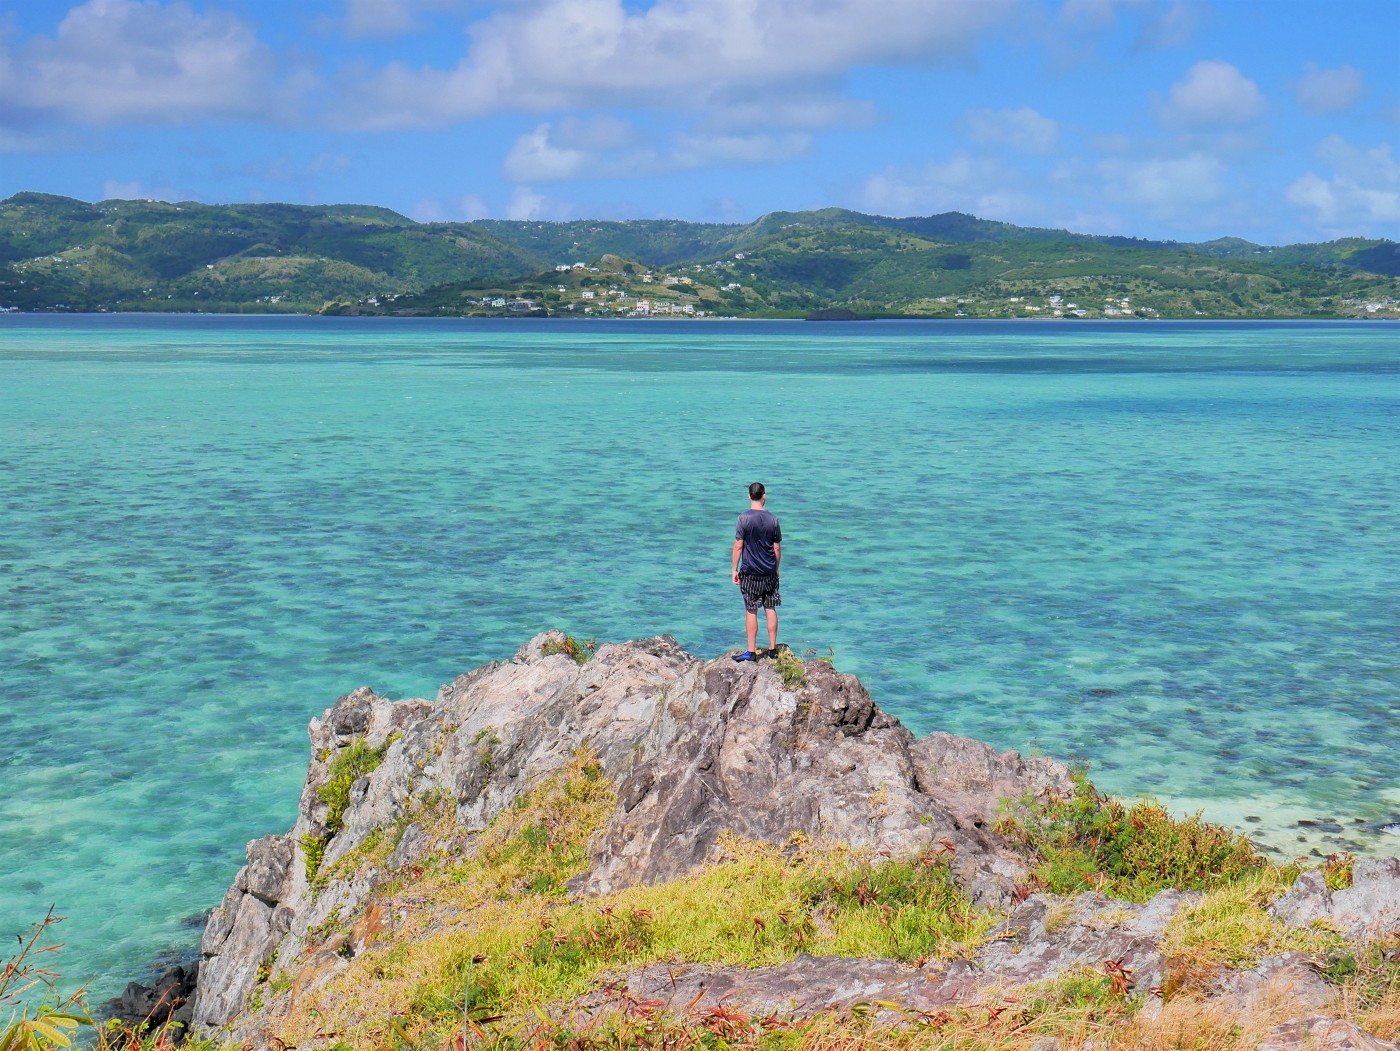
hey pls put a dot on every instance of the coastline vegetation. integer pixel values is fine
(1090, 841)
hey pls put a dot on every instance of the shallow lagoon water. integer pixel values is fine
(1168, 549)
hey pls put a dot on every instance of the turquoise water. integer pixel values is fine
(1167, 548)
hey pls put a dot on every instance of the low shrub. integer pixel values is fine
(313, 849)
(790, 668)
(580, 650)
(1085, 840)
(1337, 871)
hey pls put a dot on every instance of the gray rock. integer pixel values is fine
(1291, 974)
(1368, 908)
(800, 987)
(412, 845)
(268, 872)
(1045, 937)
(734, 750)
(1320, 1033)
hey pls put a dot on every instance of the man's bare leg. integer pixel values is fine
(751, 626)
(772, 630)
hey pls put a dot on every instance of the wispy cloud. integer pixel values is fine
(134, 190)
(526, 203)
(1165, 187)
(1174, 25)
(959, 183)
(793, 108)
(1022, 128)
(1163, 23)
(1329, 90)
(467, 208)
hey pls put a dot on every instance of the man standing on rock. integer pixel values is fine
(758, 548)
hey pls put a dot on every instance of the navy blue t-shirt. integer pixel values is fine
(759, 530)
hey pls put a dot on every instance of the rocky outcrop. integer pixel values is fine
(734, 750)
(1368, 908)
(696, 749)
(166, 1005)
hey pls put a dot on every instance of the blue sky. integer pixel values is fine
(1275, 120)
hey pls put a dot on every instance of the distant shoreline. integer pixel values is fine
(575, 319)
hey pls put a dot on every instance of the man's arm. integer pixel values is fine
(734, 562)
(777, 557)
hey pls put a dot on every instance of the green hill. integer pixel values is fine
(57, 253)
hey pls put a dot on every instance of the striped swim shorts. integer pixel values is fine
(759, 591)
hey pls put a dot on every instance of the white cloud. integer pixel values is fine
(1329, 90)
(1361, 196)
(1165, 186)
(1213, 94)
(962, 183)
(551, 54)
(120, 61)
(601, 148)
(1022, 128)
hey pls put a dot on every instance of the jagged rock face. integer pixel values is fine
(696, 749)
(732, 749)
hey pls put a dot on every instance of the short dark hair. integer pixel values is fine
(756, 491)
